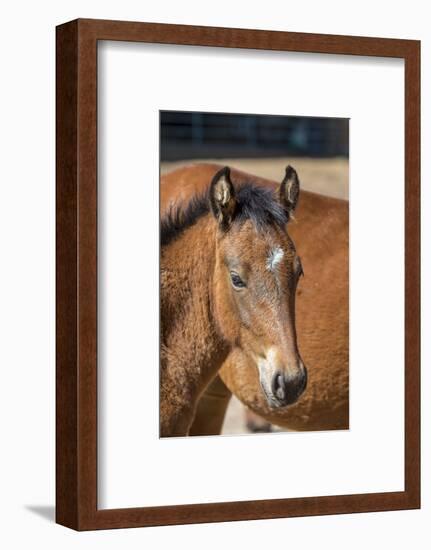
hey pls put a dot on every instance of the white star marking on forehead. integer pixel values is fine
(274, 258)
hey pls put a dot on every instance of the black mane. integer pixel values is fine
(257, 204)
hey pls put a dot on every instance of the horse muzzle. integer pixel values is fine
(283, 387)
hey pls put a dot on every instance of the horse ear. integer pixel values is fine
(222, 197)
(289, 190)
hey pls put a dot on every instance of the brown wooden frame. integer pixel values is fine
(76, 372)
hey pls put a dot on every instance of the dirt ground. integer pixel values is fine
(325, 176)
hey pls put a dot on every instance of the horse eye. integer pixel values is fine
(236, 280)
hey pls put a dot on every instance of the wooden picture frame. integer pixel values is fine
(76, 248)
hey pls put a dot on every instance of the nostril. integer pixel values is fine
(286, 388)
(279, 386)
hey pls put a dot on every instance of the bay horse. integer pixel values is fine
(322, 315)
(229, 272)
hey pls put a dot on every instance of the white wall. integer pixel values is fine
(27, 272)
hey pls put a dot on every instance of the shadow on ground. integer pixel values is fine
(45, 512)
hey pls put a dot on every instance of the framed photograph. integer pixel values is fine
(238, 274)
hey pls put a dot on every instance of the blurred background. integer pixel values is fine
(262, 145)
(218, 135)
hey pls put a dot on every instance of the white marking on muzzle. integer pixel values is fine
(274, 258)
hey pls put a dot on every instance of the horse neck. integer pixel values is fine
(192, 347)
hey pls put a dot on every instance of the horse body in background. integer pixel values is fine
(322, 314)
(229, 272)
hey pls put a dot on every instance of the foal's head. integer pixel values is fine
(256, 274)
